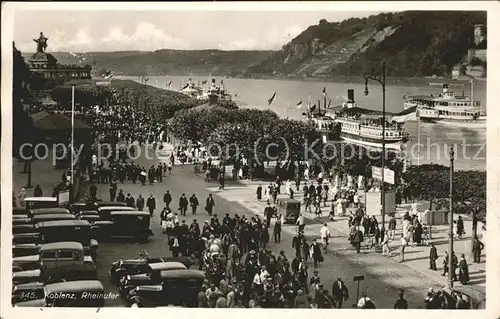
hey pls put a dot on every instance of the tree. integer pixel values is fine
(429, 181)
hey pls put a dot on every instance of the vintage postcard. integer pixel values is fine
(320, 156)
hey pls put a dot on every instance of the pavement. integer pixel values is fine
(416, 260)
(43, 173)
(383, 276)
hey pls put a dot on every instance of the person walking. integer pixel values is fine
(183, 204)
(365, 302)
(402, 249)
(300, 223)
(477, 247)
(340, 293)
(277, 230)
(268, 213)
(315, 250)
(324, 235)
(209, 205)
(151, 204)
(38, 191)
(357, 239)
(167, 198)
(386, 251)
(112, 191)
(433, 256)
(463, 270)
(392, 227)
(140, 203)
(401, 302)
(259, 192)
(193, 201)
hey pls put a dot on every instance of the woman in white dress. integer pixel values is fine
(306, 174)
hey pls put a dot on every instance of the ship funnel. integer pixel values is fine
(445, 88)
(350, 95)
(350, 98)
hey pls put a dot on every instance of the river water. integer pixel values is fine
(470, 144)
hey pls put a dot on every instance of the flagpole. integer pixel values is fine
(72, 133)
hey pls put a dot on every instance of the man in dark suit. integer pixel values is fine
(151, 203)
(268, 212)
(339, 293)
(183, 204)
(167, 198)
(433, 256)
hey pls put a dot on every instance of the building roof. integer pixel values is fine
(55, 121)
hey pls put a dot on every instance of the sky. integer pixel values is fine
(87, 31)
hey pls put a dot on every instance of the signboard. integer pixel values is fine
(359, 278)
(63, 197)
(377, 172)
(388, 174)
(373, 205)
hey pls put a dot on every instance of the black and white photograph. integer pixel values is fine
(197, 155)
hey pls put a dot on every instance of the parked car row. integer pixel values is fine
(157, 281)
(54, 255)
(55, 250)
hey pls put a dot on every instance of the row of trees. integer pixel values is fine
(84, 95)
(432, 182)
(250, 131)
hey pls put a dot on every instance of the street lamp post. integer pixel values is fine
(380, 78)
(450, 220)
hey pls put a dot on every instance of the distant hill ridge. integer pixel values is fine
(413, 44)
(163, 62)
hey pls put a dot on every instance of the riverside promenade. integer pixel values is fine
(403, 274)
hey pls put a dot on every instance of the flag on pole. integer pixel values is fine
(312, 108)
(271, 99)
(299, 105)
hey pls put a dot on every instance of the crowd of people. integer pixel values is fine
(234, 252)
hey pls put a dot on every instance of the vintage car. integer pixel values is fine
(23, 229)
(21, 220)
(27, 292)
(26, 276)
(76, 208)
(153, 276)
(51, 217)
(100, 204)
(80, 293)
(26, 238)
(125, 267)
(40, 202)
(91, 218)
(60, 256)
(18, 211)
(25, 250)
(178, 287)
(69, 230)
(476, 300)
(48, 211)
(105, 211)
(125, 224)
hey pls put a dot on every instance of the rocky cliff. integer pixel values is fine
(412, 43)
